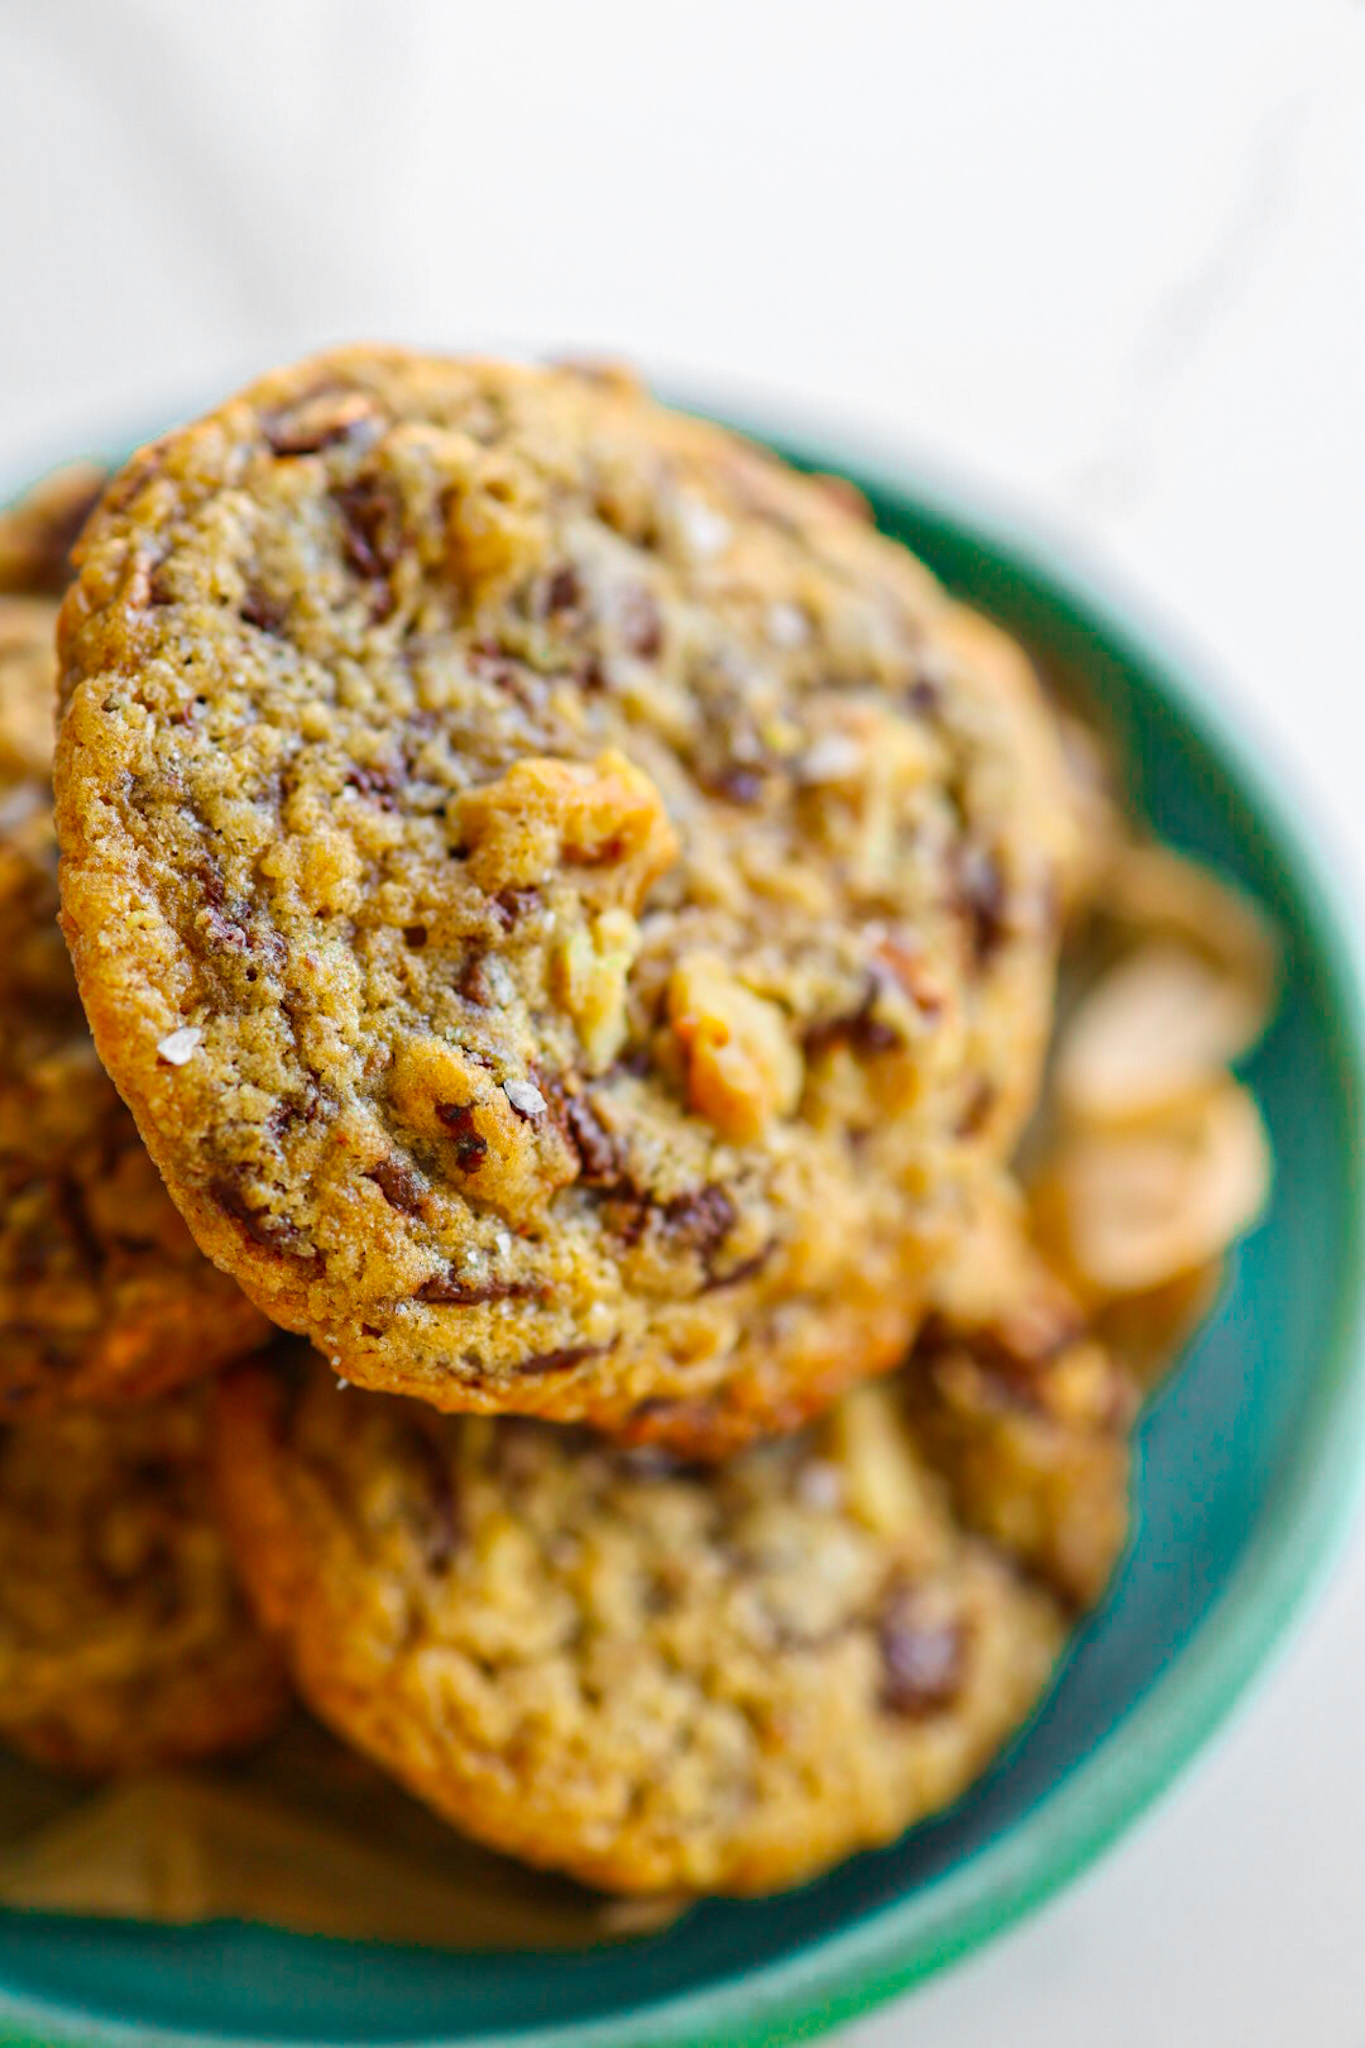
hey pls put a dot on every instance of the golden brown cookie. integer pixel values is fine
(103, 1293)
(653, 1675)
(599, 916)
(124, 1639)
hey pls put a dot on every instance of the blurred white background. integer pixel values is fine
(1105, 260)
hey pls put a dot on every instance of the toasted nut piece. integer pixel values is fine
(1155, 1031)
(884, 1484)
(606, 823)
(1129, 1208)
(592, 965)
(743, 1065)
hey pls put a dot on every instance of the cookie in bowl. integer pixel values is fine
(608, 915)
(104, 1295)
(652, 1674)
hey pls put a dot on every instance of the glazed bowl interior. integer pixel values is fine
(1247, 1468)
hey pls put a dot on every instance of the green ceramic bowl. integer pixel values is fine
(1249, 1465)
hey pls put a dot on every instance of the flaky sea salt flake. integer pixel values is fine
(525, 1098)
(179, 1047)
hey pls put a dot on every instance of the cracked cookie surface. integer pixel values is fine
(104, 1295)
(599, 914)
(651, 1674)
(125, 1641)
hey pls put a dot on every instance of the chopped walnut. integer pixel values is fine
(744, 1066)
(591, 968)
(865, 771)
(606, 822)
(883, 1482)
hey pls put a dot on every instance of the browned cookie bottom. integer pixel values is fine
(104, 1295)
(649, 1674)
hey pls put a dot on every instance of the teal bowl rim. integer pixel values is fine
(1283, 1562)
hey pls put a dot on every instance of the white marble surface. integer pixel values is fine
(1107, 258)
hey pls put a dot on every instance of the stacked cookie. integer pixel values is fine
(574, 914)
(125, 1639)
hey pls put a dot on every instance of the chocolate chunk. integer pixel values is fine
(981, 897)
(598, 1157)
(475, 985)
(327, 415)
(450, 1290)
(626, 1211)
(401, 1188)
(371, 526)
(861, 1030)
(745, 1270)
(415, 935)
(702, 1218)
(160, 589)
(923, 1656)
(471, 1149)
(563, 591)
(511, 904)
(268, 614)
(560, 1361)
(295, 1110)
(274, 1233)
(440, 1518)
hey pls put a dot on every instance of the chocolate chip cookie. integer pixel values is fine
(654, 1675)
(103, 1293)
(124, 1638)
(565, 913)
